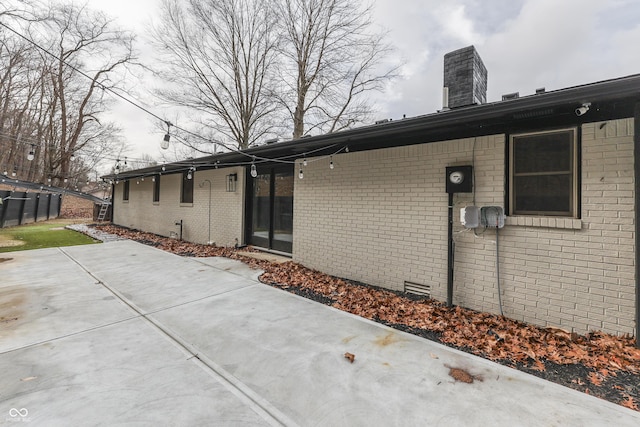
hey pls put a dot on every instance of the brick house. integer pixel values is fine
(372, 204)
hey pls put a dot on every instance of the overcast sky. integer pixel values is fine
(525, 44)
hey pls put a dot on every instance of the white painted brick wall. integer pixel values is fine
(227, 208)
(380, 217)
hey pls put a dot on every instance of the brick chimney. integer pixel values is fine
(465, 78)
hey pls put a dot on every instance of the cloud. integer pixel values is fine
(455, 24)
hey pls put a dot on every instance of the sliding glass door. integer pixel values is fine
(271, 210)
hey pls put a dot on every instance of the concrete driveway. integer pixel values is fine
(125, 334)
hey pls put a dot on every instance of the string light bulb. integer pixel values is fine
(254, 171)
(304, 162)
(164, 167)
(301, 173)
(165, 142)
(32, 153)
(72, 157)
(331, 162)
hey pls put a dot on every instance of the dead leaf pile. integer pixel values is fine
(488, 335)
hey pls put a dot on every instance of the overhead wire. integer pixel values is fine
(149, 112)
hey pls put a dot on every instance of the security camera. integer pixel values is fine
(582, 110)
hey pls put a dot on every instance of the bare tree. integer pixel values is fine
(219, 55)
(331, 58)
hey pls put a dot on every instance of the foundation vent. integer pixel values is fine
(417, 289)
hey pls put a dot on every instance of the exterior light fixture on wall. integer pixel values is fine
(32, 153)
(232, 181)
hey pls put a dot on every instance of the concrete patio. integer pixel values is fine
(124, 334)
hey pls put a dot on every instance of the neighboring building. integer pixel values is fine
(373, 206)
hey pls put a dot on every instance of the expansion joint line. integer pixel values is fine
(257, 403)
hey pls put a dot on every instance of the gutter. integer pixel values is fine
(615, 90)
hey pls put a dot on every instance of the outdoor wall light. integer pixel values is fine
(232, 181)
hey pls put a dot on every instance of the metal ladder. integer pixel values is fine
(104, 207)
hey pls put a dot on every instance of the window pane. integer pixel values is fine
(283, 212)
(550, 152)
(156, 189)
(543, 193)
(261, 202)
(187, 189)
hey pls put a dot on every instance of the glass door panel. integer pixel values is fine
(282, 236)
(261, 210)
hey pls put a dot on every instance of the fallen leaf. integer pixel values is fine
(350, 357)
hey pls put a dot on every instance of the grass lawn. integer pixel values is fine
(48, 234)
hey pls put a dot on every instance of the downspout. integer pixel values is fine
(636, 183)
(450, 254)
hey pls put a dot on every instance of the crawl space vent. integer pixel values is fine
(417, 288)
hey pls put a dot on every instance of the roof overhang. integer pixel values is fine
(609, 99)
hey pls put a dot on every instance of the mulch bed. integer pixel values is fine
(599, 364)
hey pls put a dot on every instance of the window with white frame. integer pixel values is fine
(543, 173)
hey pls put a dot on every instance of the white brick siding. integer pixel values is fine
(380, 217)
(227, 208)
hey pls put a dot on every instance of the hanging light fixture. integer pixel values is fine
(72, 157)
(254, 171)
(32, 153)
(331, 162)
(165, 142)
